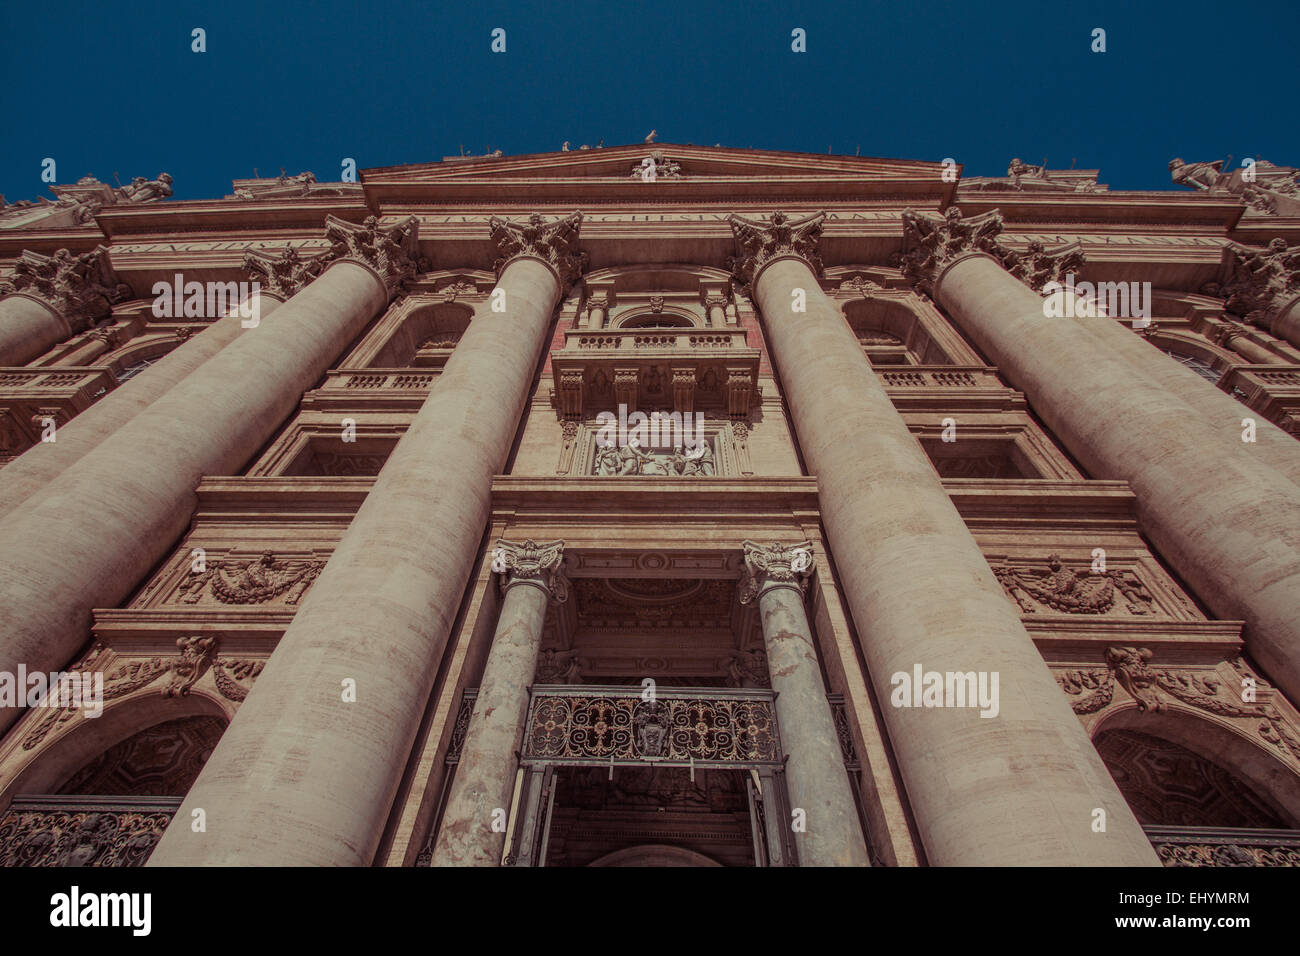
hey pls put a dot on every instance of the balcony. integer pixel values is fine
(83, 830)
(1222, 846)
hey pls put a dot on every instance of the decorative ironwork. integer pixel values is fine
(83, 831)
(844, 732)
(461, 728)
(602, 725)
(1221, 846)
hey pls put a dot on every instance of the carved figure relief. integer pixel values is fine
(259, 581)
(1072, 592)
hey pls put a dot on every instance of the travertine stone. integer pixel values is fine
(1216, 410)
(486, 771)
(828, 833)
(36, 469)
(110, 517)
(28, 328)
(1226, 520)
(1016, 789)
(303, 777)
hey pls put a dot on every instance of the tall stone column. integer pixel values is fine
(114, 514)
(307, 772)
(485, 773)
(1218, 411)
(49, 299)
(1020, 785)
(278, 277)
(815, 775)
(1226, 520)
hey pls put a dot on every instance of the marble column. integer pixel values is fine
(50, 298)
(1226, 520)
(1015, 783)
(485, 773)
(110, 517)
(829, 833)
(35, 470)
(307, 772)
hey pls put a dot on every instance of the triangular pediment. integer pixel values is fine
(702, 173)
(618, 162)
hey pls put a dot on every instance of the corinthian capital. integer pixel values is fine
(555, 243)
(392, 251)
(758, 243)
(774, 565)
(932, 242)
(284, 274)
(83, 289)
(1260, 281)
(540, 565)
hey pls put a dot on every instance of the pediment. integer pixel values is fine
(617, 163)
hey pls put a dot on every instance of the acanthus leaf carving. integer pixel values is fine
(1260, 281)
(81, 288)
(758, 243)
(284, 274)
(554, 243)
(391, 251)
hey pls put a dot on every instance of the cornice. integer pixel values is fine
(196, 217)
(1122, 208)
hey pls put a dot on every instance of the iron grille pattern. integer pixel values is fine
(603, 724)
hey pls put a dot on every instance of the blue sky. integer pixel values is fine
(105, 87)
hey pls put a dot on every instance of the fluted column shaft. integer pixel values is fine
(28, 329)
(1226, 520)
(1019, 788)
(110, 517)
(828, 832)
(485, 772)
(36, 469)
(303, 776)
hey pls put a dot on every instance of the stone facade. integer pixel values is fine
(760, 509)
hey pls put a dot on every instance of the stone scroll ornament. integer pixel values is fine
(81, 288)
(555, 243)
(391, 251)
(533, 563)
(758, 243)
(932, 242)
(196, 655)
(774, 565)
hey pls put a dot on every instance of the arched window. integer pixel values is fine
(133, 370)
(657, 322)
(1199, 366)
